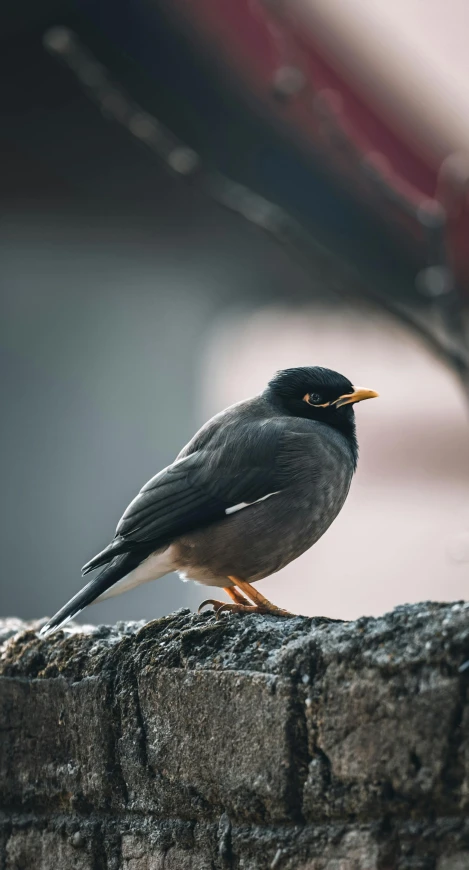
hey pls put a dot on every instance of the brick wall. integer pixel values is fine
(192, 744)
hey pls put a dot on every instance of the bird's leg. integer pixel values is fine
(257, 603)
(233, 594)
(260, 604)
(255, 596)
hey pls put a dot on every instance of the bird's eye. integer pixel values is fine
(315, 399)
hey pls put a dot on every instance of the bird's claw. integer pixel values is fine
(227, 607)
(216, 604)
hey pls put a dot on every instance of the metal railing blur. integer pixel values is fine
(442, 328)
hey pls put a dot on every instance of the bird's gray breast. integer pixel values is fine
(301, 514)
(262, 538)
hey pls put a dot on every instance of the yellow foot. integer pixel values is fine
(232, 593)
(257, 604)
(225, 607)
(216, 604)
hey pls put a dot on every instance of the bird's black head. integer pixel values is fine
(318, 394)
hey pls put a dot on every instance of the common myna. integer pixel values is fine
(256, 487)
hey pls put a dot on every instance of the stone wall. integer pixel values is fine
(251, 742)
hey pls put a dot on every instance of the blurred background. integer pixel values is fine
(193, 196)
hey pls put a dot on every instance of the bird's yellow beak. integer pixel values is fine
(359, 395)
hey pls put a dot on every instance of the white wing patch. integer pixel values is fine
(245, 504)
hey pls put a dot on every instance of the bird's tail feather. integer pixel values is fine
(112, 573)
(105, 556)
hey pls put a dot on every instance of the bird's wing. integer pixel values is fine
(208, 484)
(170, 503)
(200, 488)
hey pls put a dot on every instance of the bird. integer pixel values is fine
(256, 487)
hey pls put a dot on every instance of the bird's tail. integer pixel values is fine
(111, 574)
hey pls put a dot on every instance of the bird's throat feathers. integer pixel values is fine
(345, 424)
(339, 419)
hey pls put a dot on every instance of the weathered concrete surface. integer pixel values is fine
(246, 743)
